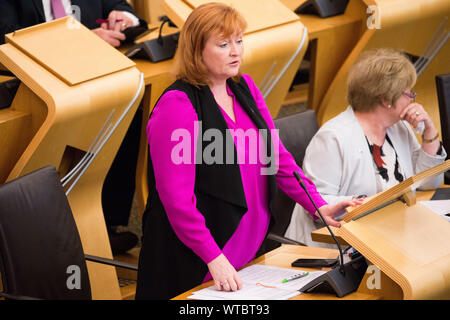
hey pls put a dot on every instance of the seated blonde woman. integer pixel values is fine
(371, 146)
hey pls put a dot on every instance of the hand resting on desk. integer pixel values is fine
(225, 276)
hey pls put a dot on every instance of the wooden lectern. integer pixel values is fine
(408, 242)
(71, 82)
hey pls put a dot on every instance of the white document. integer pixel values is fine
(261, 282)
(440, 207)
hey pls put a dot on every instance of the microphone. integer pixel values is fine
(342, 280)
(159, 49)
(341, 255)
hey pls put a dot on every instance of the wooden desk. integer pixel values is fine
(322, 235)
(283, 257)
(329, 37)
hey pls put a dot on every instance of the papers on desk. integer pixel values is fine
(440, 207)
(261, 283)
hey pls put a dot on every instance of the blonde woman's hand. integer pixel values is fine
(415, 113)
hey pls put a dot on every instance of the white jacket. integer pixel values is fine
(340, 164)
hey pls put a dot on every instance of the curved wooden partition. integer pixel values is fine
(404, 25)
(59, 109)
(149, 10)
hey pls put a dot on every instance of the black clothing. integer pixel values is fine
(167, 267)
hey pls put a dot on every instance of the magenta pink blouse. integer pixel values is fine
(172, 120)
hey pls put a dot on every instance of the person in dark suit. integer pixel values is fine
(118, 189)
(19, 14)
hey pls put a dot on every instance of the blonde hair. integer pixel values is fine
(206, 20)
(381, 74)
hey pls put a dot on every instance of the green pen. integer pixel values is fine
(297, 276)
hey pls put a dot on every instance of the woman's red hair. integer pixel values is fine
(206, 20)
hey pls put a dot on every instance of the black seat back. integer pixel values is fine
(295, 131)
(443, 93)
(41, 254)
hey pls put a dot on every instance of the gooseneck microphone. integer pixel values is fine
(342, 280)
(341, 255)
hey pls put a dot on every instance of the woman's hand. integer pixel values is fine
(415, 113)
(225, 276)
(329, 211)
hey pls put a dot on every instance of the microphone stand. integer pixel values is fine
(341, 255)
(159, 49)
(342, 280)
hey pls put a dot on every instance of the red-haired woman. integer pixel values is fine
(210, 187)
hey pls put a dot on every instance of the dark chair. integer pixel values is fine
(443, 93)
(41, 255)
(296, 131)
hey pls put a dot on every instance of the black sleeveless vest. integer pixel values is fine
(166, 266)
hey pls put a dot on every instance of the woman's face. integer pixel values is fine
(402, 102)
(222, 56)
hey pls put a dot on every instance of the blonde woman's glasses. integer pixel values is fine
(411, 94)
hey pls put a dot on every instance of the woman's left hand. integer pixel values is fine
(415, 113)
(329, 211)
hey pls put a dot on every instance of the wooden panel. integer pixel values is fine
(410, 244)
(149, 10)
(267, 53)
(14, 138)
(394, 192)
(265, 14)
(5, 78)
(322, 234)
(260, 14)
(333, 37)
(27, 101)
(53, 45)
